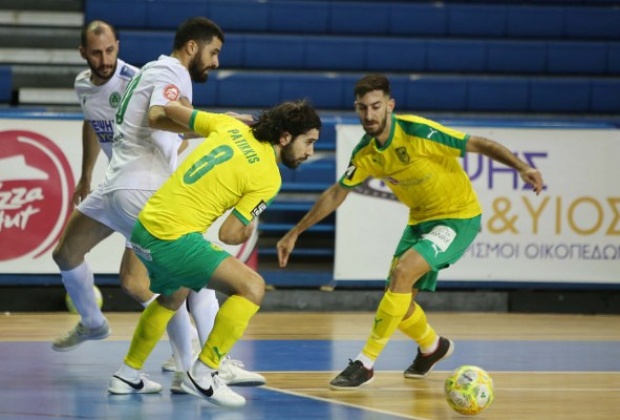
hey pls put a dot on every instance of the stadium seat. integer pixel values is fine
(299, 17)
(436, 93)
(248, 90)
(140, 47)
(498, 94)
(363, 19)
(477, 20)
(576, 57)
(605, 96)
(542, 22)
(334, 53)
(6, 84)
(592, 23)
(273, 52)
(559, 95)
(395, 54)
(456, 56)
(516, 57)
(324, 91)
(167, 14)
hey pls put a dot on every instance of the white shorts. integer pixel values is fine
(117, 209)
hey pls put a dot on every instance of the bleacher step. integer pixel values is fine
(41, 18)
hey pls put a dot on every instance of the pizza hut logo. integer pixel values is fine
(36, 183)
(171, 92)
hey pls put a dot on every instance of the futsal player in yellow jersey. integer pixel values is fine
(235, 167)
(417, 160)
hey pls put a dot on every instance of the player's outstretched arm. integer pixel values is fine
(90, 152)
(329, 201)
(497, 152)
(175, 112)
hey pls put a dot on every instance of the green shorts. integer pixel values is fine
(189, 261)
(440, 242)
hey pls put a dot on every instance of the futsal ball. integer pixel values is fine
(469, 390)
(71, 306)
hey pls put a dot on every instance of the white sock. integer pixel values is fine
(430, 349)
(366, 361)
(180, 335)
(148, 302)
(201, 370)
(128, 373)
(204, 306)
(79, 283)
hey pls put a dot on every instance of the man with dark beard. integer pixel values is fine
(417, 158)
(144, 154)
(235, 167)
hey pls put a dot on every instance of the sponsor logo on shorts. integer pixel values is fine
(141, 252)
(440, 237)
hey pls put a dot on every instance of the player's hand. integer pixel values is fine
(244, 118)
(285, 246)
(82, 189)
(534, 178)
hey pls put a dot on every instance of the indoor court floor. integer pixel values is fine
(544, 367)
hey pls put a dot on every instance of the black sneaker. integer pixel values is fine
(424, 363)
(354, 376)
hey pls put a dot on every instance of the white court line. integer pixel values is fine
(327, 400)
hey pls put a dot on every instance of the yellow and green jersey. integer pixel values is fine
(419, 163)
(229, 169)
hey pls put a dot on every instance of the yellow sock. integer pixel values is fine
(230, 323)
(417, 327)
(390, 313)
(149, 331)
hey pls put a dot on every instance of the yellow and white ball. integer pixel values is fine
(71, 306)
(469, 390)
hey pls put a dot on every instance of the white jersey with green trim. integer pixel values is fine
(143, 157)
(99, 103)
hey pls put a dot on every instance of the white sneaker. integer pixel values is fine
(212, 389)
(122, 386)
(231, 372)
(170, 365)
(79, 334)
(175, 387)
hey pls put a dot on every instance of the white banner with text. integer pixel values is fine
(40, 163)
(569, 233)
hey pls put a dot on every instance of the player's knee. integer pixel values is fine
(401, 278)
(62, 256)
(174, 301)
(255, 288)
(135, 287)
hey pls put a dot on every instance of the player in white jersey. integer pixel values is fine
(145, 154)
(99, 90)
(98, 100)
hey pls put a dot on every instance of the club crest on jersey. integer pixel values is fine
(259, 208)
(115, 99)
(402, 154)
(379, 160)
(171, 92)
